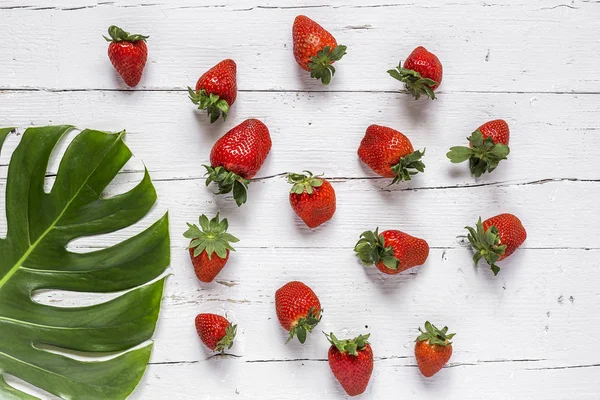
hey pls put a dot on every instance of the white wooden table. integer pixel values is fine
(530, 333)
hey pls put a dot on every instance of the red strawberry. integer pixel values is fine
(237, 156)
(216, 90)
(209, 247)
(497, 238)
(488, 145)
(391, 251)
(422, 73)
(390, 154)
(298, 309)
(215, 331)
(127, 53)
(315, 49)
(312, 198)
(433, 349)
(351, 362)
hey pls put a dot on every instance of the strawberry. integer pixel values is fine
(391, 251)
(312, 198)
(298, 309)
(433, 349)
(390, 154)
(127, 53)
(216, 90)
(315, 49)
(496, 238)
(209, 247)
(351, 362)
(421, 73)
(488, 145)
(237, 156)
(215, 331)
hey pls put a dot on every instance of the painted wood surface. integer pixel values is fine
(526, 334)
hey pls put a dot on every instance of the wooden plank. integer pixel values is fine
(322, 131)
(510, 48)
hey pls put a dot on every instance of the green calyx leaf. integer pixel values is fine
(407, 166)
(304, 182)
(228, 182)
(486, 245)
(371, 249)
(34, 256)
(226, 341)
(415, 84)
(435, 336)
(483, 155)
(119, 35)
(212, 103)
(349, 346)
(211, 236)
(305, 325)
(320, 66)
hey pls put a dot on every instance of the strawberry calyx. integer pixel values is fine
(211, 237)
(415, 84)
(119, 35)
(320, 65)
(305, 325)
(484, 155)
(302, 182)
(212, 103)
(434, 336)
(228, 182)
(407, 166)
(486, 245)
(371, 249)
(349, 346)
(226, 341)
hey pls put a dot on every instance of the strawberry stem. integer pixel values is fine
(212, 103)
(486, 245)
(228, 182)
(407, 166)
(415, 84)
(212, 236)
(305, 325)
(303, 182)
(371, 249)
(350, 346)
(320, 66)
(484, 155)
(119, 35)
(435, 336)
(226, 341)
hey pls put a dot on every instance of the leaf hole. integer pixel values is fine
(67, 299)
(10, 144)
(83, 355)
(28, 388)
(55, 156)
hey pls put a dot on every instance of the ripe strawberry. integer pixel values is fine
(315, 49)
(497, 238)
(237, 156)
(488, 145)
(433, 349)
(391, 251)
(215, 331)
(390, 154)
(216, 90)
(422, 73)
(210, 238)
(351, 362)
(312, 198)
(127, 53)
(298, 309)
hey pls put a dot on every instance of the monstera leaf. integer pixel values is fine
(33, 256)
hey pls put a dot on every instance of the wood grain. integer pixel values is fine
(526, 334)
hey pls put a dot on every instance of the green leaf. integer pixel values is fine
(320, 66)
(458, 154)
(212, 103)
(415, 84)
(119, 35)
(407, 166)
(33, 256)
(486, 244)
(434, 335)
